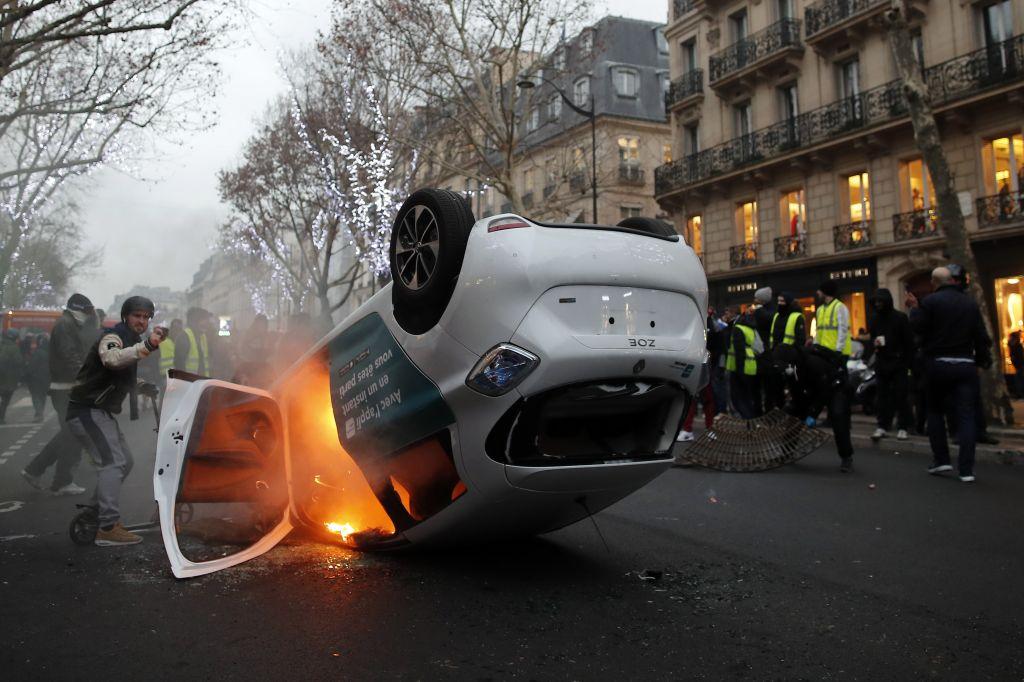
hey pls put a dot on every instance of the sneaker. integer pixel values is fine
(684, 437)
(902, 435)
(879, 434)
(939, 468)
(34, 481)
(116, 536)
(969, 478)
(69, 489)
(846, 465)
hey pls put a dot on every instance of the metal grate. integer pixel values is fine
(744, 445)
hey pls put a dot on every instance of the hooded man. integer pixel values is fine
(787, 336)
(69, 342)
(106, 378)
(894, 353)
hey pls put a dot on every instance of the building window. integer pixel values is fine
(627, 82)
(581, 92)
(1003, 159)
(917, 42)
(629, 212)
(859, 193)
(666, 84)
(579, 159)
(794, 214)
(689, 55)
(659, 36)
(534, 121)
(789, 104)
(784, 9)
(996, 23)
(666, 153)
(1010, 313)
(916, 189)
(849, 79)
(694, 235)
(743, 124)
(528, 181)
(738, 25)
(555, 107)
(746, 222)
(586, 42)
(560, 59)
(691, 139)
(629, 151)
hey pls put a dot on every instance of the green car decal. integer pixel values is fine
(382, 402)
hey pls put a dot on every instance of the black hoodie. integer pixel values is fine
(887, 322)
(779, 332)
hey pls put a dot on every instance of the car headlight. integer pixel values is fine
(501, 369)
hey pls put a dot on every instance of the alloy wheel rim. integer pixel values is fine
(417, 247)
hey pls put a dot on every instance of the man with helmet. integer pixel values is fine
(107, 376)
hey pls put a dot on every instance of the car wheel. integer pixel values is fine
(650, 225)
(428, 243)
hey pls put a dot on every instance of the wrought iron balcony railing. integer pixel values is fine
(742, 255)
(630, 174)
(681, 7)
(828, 13)
(781, 35)
(914, 225)
(790, 246)
(578, 182)
(1000, 209)
(976, 71)
(852, 236)
(685, 86)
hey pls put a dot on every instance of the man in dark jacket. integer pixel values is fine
(1016, 350)
(741, 362)
(955, 346)
(106, 378)
(787, 336)
(894, 352)
(69, 341)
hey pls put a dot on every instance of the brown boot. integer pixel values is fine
(116, 537)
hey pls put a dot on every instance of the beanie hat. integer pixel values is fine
(829, 288)
(763, 295)
(80, 304)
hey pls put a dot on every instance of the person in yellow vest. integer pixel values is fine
(825, 370)
(167, 350)
(741, 357)
(191, 348)
(787, 336)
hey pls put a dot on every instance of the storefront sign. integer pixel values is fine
(853, 273)
(740, 288)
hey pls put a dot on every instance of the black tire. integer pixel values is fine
(83, 527)
(428, 243)
(649, 225)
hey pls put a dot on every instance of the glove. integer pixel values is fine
(811, 422)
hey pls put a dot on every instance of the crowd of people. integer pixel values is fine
(763, 358)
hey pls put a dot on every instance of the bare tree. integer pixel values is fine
(950, 217)
(82, 81)
(459, 62)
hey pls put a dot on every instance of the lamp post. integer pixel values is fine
(526, 84)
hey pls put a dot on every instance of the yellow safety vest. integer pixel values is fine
(192, 362)
(789, 335)
(750, 359)
(827, 318)
(166, 355)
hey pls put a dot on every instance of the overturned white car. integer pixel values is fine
(514, 377)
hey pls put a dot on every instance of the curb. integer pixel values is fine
(998, 454)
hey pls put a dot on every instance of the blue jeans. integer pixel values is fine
(955, 385)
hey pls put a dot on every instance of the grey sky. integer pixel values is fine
(157, 230)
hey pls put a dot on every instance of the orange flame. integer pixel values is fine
(342, 529)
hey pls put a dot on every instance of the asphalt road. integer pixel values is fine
(798, 573)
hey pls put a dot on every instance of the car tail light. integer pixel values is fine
(501, 369)
(500, 224)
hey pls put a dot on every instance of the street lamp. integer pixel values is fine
(527, 84)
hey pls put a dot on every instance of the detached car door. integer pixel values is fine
(221, 477)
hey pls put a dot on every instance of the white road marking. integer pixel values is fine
(8, 538)
(11, 505)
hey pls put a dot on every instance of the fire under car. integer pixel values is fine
(513, 378)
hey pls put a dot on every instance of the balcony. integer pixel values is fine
(681, 8)
(980, 70)
(835, 22)
(578, 182)
(771, 48)
(914, 225)
(852, 236)
(686, 90)
(742, 255)
(630, 174)
(1000, 209)
(790, 247)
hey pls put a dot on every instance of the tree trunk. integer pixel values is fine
(950, 218)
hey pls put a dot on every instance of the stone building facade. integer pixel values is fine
(795, 158)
